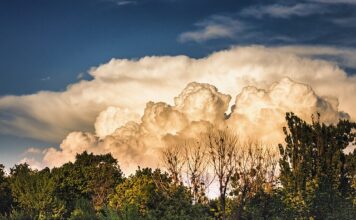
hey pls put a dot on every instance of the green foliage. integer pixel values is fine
(5, 193)
(84, 210)
(153, 195)
(34, 193)
(314, 175)
(92, 177)
(108, 213)
(317, 181)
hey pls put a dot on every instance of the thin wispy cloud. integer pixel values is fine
(336, 1)
(284, 11)
(122, 3)
(216, 27)
(345, 22)
(46, 78)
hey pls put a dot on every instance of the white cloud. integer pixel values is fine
(112, 118)
(214, 28)
(33, 150)
(258, 113)
(129, 84)
(33, 163)
(342, 56)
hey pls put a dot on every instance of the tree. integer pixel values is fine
(221, 146)
(84, 210)
(255, 175)
(189, 157)
(314, 175)
(153, 195)
(197, 169)
(91, 177)
(5, 192)
(34, 193)
(351, 168)
(173, 160)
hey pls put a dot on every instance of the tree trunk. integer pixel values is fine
(222, 206)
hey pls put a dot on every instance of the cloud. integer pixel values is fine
(130, 84)
(46, 78)
(122, 3)
(33, 150)
(345, 57)
(344, 22)
(33, 163)
(257, 113)
(213, 28)
(352, 2)
(112, 118)
(284, 11)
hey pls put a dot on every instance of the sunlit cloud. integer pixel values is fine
(256, 114)
(130, 84)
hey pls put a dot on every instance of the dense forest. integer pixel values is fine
(310, 176)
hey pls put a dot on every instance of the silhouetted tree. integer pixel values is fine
(255, 175)
(221, 146)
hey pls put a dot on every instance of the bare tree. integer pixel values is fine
(196, 160)
(255, 172)
(222, 145)
(173, 160)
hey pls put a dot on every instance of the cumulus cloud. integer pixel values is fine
(112, 118)
(256, 113)
(129, 84)
(259, 113)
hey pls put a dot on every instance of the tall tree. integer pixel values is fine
(187, 162)
(197, 169)
(255, 174)
(173, 161)
(91, 177)
(313, 168)
(222, 146)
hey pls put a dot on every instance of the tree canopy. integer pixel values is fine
(312, 177)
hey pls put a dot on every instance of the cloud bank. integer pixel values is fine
(256, 113)
(110, 113)
(129, 84)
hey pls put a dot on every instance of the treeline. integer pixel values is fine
(311, 177)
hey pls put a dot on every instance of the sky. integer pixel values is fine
(47, 46)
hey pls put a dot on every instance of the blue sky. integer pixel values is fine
(49, 44)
